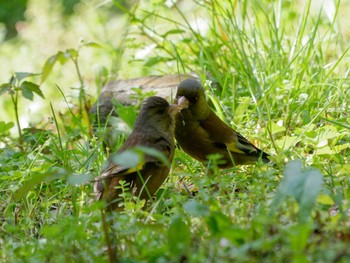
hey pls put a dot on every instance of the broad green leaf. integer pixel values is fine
(50, 62)
(29, 184)
(62, 57)
(179, 237)
(332, 150)
(312, 185)
(127, 114)
(344, 169)
(325, 200)
(6, 88)
(71, 53)
(218, 222)
(154, 153)
(23, 75)
(28, 88)
(78, 179)
(275, 128)
(287, 142)
(301, 184)
(128, 159)
(194, 208)
(220, 225)
(5, 126)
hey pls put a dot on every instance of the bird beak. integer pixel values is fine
(182, 103)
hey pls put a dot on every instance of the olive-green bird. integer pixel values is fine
(154, 128)
(200, 133)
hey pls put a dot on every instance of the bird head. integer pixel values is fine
(193, 91)
(157, 112)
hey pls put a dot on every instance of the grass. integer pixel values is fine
(277, 72)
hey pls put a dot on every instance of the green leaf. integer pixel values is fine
(194, 208)
(50, 62)
(154, 153)
(23, 75)
(173, 32)
(28, 88)
(241, 110)
(71, 53)
(29, 184)
(62, 57)
(6, 88)
(91, 44)
(287, 142)
(128, 159)
(78, 179)
(179, 237)
(301, 184)
(325, 200)
(5, 126)
(339, 123)
(153, 61)
(334, 150)
(220, 225)
(127, 114)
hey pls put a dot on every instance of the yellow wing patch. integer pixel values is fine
(232, 147)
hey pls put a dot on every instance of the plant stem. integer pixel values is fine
(15, 104)
(82, 98)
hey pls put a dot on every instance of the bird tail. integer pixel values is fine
(247, 151)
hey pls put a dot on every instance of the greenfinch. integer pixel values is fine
(154, 129)
(200, 133)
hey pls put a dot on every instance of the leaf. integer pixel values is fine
(220, 225)
(241, 110)
(339, 123)
(50, 62)
(78, 179)
(325, 200)
(334, 150)
(313, 181)
(91, 44)
(154, 153)
(173, 32)
(302, 185)
(153, 61)
(71, 53)
(287, 142)
(275, 128)
(28, 88)
(128, 159)
(23, 75)
(194, 208)
(29, 184)
(6, 88)
(5, 126)
(179, 237)
(127, 114)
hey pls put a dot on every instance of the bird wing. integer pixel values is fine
(113, 170)
(225, 136)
